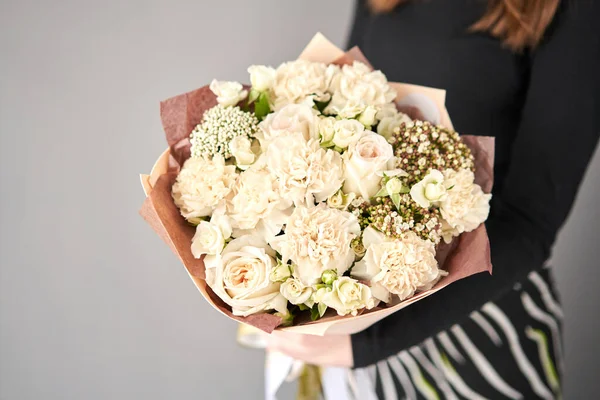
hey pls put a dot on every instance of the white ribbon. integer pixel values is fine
(337, 381)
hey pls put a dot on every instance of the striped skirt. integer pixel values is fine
(509, 349)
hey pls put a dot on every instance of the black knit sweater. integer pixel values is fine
(540, 105)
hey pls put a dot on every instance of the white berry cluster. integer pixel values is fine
(220, 125)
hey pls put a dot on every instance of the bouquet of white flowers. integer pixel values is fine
(321, 198)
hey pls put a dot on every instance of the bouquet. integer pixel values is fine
(321, 198)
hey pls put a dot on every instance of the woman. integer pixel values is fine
(525, 72)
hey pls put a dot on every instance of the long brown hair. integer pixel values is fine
(519, 24)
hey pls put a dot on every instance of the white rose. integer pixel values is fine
(389, 120)
(368, 116)
(280, 273)
(240, 147)
(363, 163)
(294, 118)
(228, 93)
(295, 291)
(340, 200)
(465, 206)
(255, 205)
(240, 277)
(395, 266)
(326, 129)
(201, 185)
(430, 190)
(394, 186)
(317, 239)
(208, 239)
(301, 81)
(347, 296)
(355, 87)
(346, 132)
(261, 77)
(304, 171)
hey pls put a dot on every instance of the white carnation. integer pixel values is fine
(201, 185)
(255, 203)
(305, 172)
(301, 81)
(317, 239)
(228, 93)
(395, 266)
(465, 206)
(355, 87)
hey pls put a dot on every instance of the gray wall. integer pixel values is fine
(92, 304)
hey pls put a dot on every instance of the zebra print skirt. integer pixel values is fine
(509, 349)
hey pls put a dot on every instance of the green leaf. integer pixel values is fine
(327, 144)
(314, 313)
(450, 187)
(321, 105)
(338, 149)
(396, 200)
(303, 307)
(382, 192)
(261, 106)
(322, 308)
(253, 95)
(405, 189)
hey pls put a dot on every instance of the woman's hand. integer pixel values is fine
(333, 350)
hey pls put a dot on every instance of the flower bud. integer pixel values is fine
(367, 117)
(280, 273)
(328, 276)
(393, 186)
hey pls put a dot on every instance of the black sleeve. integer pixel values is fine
(556, 138)
(357, 30)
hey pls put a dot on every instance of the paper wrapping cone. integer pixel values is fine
(466, 255)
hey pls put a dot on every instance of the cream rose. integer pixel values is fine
(304, 171)
(347, 132)
(317, 239)
(368, 116)
(240, 148)
(389, 120)
(228, 93)
(201, 185)
(301, 81)
(355, 87)
(430, 190)
(293, 118)
(465, 206)
(399, 267)
(255, 205)
(240, 277)
(295, 291)
(326, 129)
(261, 77)
(280, 273)
(363, 163)
(340, 200)
(347, 296)
(208, 239)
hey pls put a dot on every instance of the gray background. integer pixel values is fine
(92, 304)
